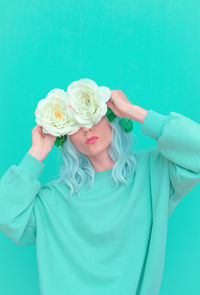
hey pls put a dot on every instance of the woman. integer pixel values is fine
(103, 240)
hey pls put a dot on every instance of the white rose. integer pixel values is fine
(88, 101)
(53, 115)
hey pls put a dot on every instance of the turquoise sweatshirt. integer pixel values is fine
(107, 242)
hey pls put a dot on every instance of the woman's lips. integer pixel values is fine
(91, 139)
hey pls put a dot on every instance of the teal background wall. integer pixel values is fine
(148, 49)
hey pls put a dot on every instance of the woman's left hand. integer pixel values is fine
(120, 105)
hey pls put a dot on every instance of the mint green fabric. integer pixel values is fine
(107, 241)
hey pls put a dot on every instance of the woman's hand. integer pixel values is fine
(123, 108)
(42, 143)
(120, 105)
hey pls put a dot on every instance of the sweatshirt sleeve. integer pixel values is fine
(19, 187)
(178, 140)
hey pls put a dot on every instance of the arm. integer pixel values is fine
(19, 187)
(178, 141)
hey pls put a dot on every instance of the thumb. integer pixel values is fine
(111, 105)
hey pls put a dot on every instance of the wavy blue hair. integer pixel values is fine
(77, 170)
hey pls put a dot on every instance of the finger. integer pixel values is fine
(38, 128)
(110, 99)
(111, 105)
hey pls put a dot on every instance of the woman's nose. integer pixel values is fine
(86, 129)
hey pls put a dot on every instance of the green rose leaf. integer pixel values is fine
(109, 111)
(60, 140)
(110, 115)
(127, 124)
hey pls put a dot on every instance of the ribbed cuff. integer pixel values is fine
(31, 165)
(153, 124)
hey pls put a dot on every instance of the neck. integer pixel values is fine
(101, 161)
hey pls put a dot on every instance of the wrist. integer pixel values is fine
(136, 113)
(37, 153)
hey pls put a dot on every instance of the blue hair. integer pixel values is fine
(77, 170)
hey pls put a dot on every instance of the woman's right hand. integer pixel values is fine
(42, 143)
